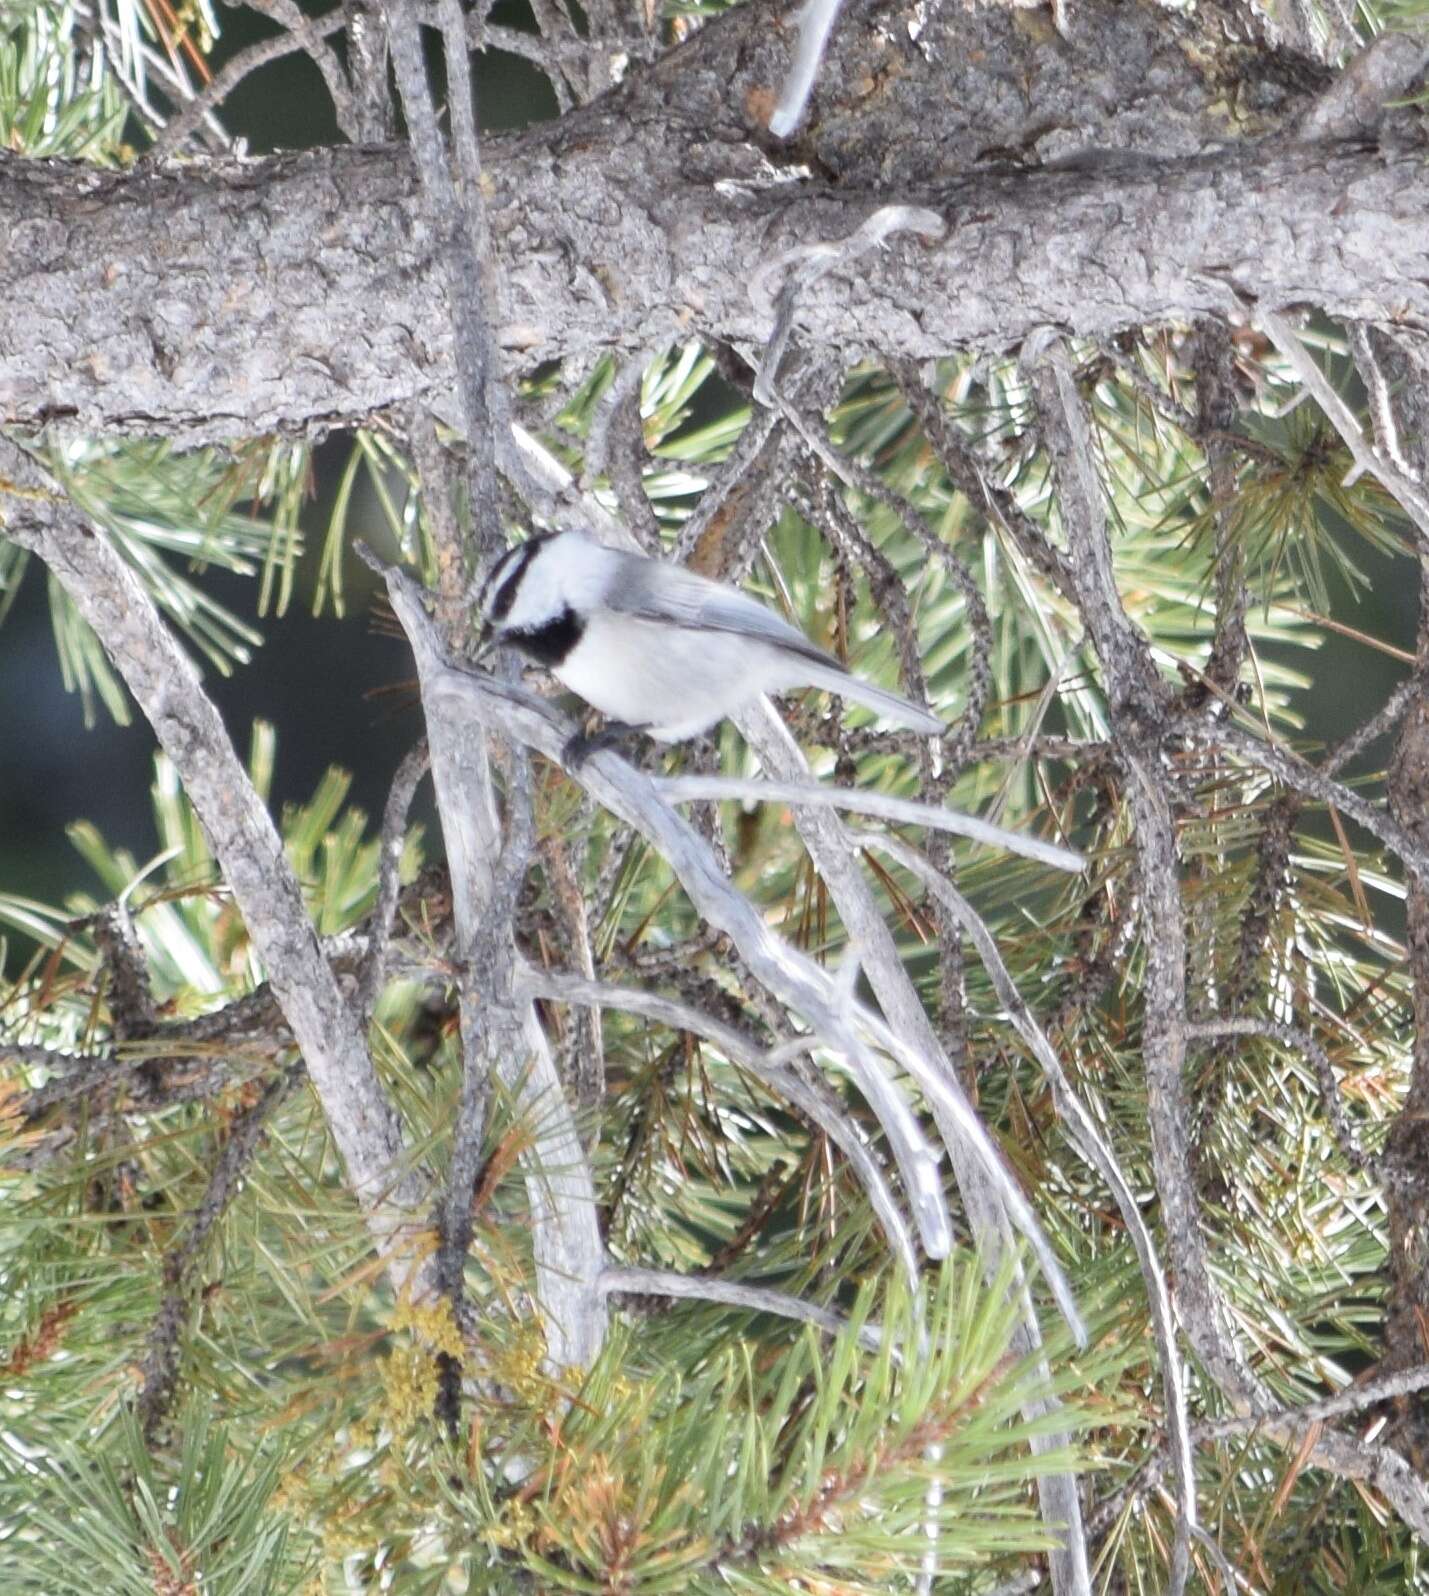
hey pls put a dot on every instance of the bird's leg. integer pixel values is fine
(580, 746)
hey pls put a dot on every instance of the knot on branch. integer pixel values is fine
(1142, 715)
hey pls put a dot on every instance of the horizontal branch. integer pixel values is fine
(883, 806)
(732, 1294)
(1300, 776)
(1353, 1399)
(135, 304)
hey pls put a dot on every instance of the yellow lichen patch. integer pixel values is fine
(409, 1384)
(432, 1324)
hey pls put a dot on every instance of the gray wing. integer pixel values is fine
(672, 596)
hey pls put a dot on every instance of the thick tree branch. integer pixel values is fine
(345, 313)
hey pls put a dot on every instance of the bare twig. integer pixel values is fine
(1354, 1399)
(1402, 1162)
(1301, 776)
(959, 740)
(1139, 723)
(313, 41)
(1405, 487)
(553, 21)
(130, 993)
(414, 766)
(160, 1367)
(1380, 724)
(733, 1294)
(33, 1055)
(617, 421)
(1156, 396)
(499, 1029)
(883, 806)
(907, 1034)
(224, 82)
(737, 486)
(1259, 917)
(1072, 750)
(204, 1054)
(770, 1067)
(1381, 400)
(966, 473)
(822, 505)
(816, 23)
(550, 54)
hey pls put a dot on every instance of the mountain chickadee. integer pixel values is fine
(654, 647)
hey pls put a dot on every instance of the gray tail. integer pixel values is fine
(902, 711)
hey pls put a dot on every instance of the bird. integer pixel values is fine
(656, 648)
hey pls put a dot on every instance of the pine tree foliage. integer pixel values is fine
(212, 1382)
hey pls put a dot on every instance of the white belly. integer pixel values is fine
(671, 682)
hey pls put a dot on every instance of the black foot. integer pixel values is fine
(614, 734)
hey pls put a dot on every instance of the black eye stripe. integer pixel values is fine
(506, 576)
(505, 595)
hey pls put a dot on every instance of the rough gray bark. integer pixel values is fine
(244, 297)
(1137, 699)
